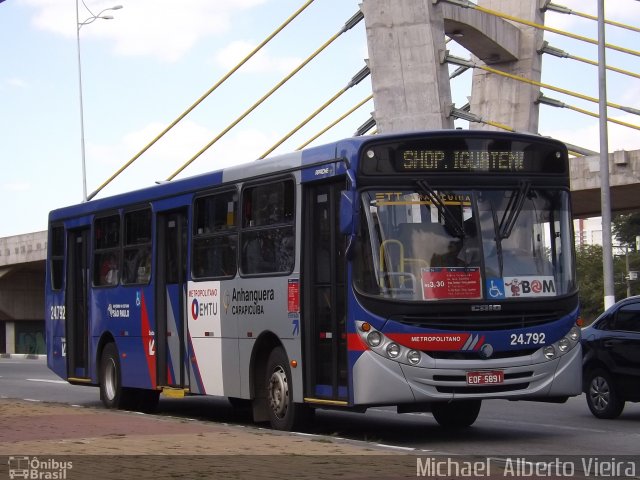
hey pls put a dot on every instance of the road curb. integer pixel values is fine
(29, 356)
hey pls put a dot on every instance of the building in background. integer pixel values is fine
(588, 231)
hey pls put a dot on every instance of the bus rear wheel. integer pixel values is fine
(456, 414)
(284, 414)
(112, 394)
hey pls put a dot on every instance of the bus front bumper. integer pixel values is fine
(378, 380)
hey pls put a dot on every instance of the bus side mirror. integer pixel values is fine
(346, 212)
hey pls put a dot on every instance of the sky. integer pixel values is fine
(155, 58)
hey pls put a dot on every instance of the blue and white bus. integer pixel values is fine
(427, 271)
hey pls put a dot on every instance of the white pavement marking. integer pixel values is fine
(45, 380)
(395, 447)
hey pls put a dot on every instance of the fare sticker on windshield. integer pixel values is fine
(529, 286)
(451, 283)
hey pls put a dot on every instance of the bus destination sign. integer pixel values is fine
(484, 156)
(460, 161)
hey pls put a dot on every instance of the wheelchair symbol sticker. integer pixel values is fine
(495, 288)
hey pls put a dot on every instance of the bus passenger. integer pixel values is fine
(109, 270)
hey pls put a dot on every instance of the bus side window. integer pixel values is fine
(215, 235)
(267, 238)
(137, 247)
(106, 264)
(57, 257)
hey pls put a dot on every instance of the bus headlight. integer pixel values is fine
(574, 334)
(374, 338)
(393, 350)
(414, 357)
(387, 347)
(564, 345)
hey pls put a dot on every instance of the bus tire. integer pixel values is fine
(112, 394)
(456, 414)
(602, 397)
(284, 414)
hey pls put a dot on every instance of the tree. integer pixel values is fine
(590, 281)
(626, 227)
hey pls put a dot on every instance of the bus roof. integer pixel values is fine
(344, 149)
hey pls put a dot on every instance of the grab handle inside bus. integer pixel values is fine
(346, 212)
(348, 220)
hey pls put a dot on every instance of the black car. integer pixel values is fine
(611, 359)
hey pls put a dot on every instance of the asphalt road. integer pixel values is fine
(503, 427)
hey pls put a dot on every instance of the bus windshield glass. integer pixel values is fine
(431, 245)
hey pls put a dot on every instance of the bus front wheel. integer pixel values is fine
(456, 414)
(110, 377)
(284, 414)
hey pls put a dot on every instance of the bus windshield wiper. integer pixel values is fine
(442, 208)
(497, 237)
(514, 207)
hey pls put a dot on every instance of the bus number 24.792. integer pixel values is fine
(527, 338)
(58, 312)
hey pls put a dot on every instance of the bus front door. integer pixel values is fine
(77, 315)
(324, 312)
(171, 326)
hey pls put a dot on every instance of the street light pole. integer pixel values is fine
(79, 25)
(605, 196)
(82, 153)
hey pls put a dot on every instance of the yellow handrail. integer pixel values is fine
(381, 262)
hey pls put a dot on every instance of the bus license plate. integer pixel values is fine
(485, 378)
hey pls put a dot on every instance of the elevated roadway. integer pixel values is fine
(624, 174)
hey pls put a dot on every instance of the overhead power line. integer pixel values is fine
(566, 10)
(557, 52)
(352, 22)
(335, 122)
(468, 4)
(461, 61)
(557, 103)
(202, 97)
(464, 114)
(358, 77)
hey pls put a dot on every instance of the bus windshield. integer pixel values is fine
(436, 245)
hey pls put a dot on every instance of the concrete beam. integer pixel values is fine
(624, 177)
(406, 43)
(501, 99)
(25, 248)
(490, 38)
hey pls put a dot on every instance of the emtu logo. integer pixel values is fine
(195, 309)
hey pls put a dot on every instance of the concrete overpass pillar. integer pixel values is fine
(410, 84)
(10, 333)
(504, 100)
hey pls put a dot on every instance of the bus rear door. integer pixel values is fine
(171, 281)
